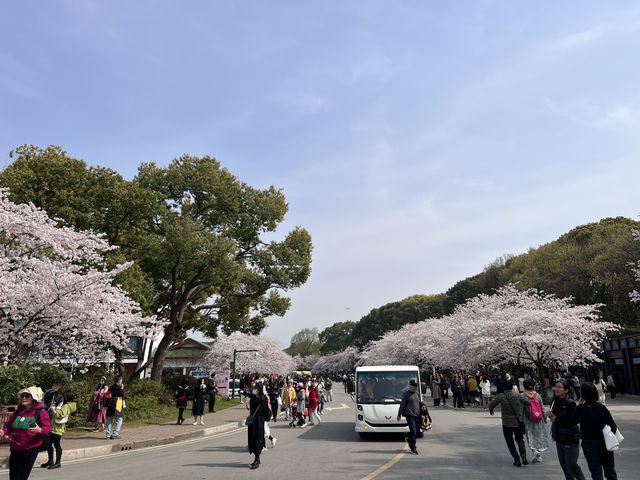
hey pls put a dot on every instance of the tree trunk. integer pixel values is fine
(119, 361)
(161, 351)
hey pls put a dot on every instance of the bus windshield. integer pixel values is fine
(383, 387)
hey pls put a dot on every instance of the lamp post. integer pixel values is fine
(233, 375)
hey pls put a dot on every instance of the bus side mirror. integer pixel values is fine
(423, 388)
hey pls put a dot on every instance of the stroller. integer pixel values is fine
(294, 414)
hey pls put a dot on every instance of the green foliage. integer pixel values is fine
(336, 338)
(396, 314)
(13, 378)
(304, 343)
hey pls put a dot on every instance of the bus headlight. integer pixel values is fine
(360, 407)
(361, 418)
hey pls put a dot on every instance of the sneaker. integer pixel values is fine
(115, 437)
(517, 463)
(264, 449)
(96, 430)
(524, 461)
(273, 441)
(303, 425)
(414, 451)
(201, 423)
(195, 423)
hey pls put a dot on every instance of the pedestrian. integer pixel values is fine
(456, 390)
(115, 408)
(288, 397)
(51, 396)
(535, 421)
(474, 392)
(564, 430)
(274, 399)
(593, 416)
(328, 389)
(485, 390)
(212, 390)
(435, 389)
(320, 390)
(26, 427)
(97, 411)
(198, 402)
(182, 399)
(512, 424)
(425, 418)
(260, 413)
(58, 427)
(601, 387)
(444, 390)
(301, 401)
(410, 409)
(611, 386)
(313, 406)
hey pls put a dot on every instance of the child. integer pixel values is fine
(425, 419)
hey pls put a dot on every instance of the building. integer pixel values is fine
(622, 359)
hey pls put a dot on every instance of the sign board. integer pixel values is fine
(636, 361)
(222, 382)
(619, 361)
(199, 374)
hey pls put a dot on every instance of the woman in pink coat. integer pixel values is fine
(97, 408)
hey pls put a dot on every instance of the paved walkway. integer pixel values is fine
(92, 444)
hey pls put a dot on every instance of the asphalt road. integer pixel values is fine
(462, 444)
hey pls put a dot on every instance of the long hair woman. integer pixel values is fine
(260, 413)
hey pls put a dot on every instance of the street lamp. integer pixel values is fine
(233, 375)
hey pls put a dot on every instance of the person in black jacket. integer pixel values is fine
(115, 408)
(564, 430)
(259, 409)
(593, 416)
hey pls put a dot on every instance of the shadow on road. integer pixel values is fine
(218, 465)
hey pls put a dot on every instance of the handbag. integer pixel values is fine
(612, 440)
(249, 420)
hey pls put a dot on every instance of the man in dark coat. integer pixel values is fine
(212, 390)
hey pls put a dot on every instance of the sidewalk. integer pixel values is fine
(92, 444)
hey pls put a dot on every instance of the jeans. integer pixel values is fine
(329, 394)
(599, 458)
(509, 433)
(414, 423)
(287, 410)
(568, 458)
(321, 405)
(116, 428)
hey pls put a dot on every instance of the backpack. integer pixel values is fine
(534, 411)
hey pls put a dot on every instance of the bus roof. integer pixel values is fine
(387, 368)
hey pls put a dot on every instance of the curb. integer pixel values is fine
(79, 453)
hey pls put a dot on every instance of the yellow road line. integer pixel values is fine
(387, 465)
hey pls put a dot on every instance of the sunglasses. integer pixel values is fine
(25, 395)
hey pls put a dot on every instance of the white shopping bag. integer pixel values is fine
(610, 439)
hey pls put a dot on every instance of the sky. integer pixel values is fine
(416, 141)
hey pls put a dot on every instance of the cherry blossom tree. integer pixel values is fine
(337, 363)
(528, 327)
(57, 294)
(635, 295)
(269, 358)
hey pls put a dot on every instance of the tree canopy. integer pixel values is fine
(304, 343)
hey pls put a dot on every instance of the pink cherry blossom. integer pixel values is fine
(57, 296)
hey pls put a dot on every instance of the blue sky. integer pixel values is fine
(416, 141)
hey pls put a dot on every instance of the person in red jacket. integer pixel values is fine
(26, 427)
(313, 406)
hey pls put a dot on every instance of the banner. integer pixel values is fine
(222, 382)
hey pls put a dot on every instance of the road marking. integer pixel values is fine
(387, 465)
(341, 407)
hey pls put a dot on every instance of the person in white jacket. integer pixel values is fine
(485, 391)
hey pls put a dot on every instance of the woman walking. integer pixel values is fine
(97, 410)
(535, 422)
(313, 406)
(182, 399)
(260, 413)
(26, 427)
(565, 431)
(601, 387)
(593, 416)
(435, 389)
(485, 390)
(58, 427)
(198, 402)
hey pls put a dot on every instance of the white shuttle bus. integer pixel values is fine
(379, 392)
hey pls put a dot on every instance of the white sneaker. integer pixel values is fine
(273, 441)
(201, 423)
(195, 423)
(303, 425)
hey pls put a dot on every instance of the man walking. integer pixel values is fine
(212, 390)
(410, 409)
(115, 409)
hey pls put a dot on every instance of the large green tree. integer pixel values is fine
(394, 315)
(337, 337)
(304, 343)
(195, 231)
